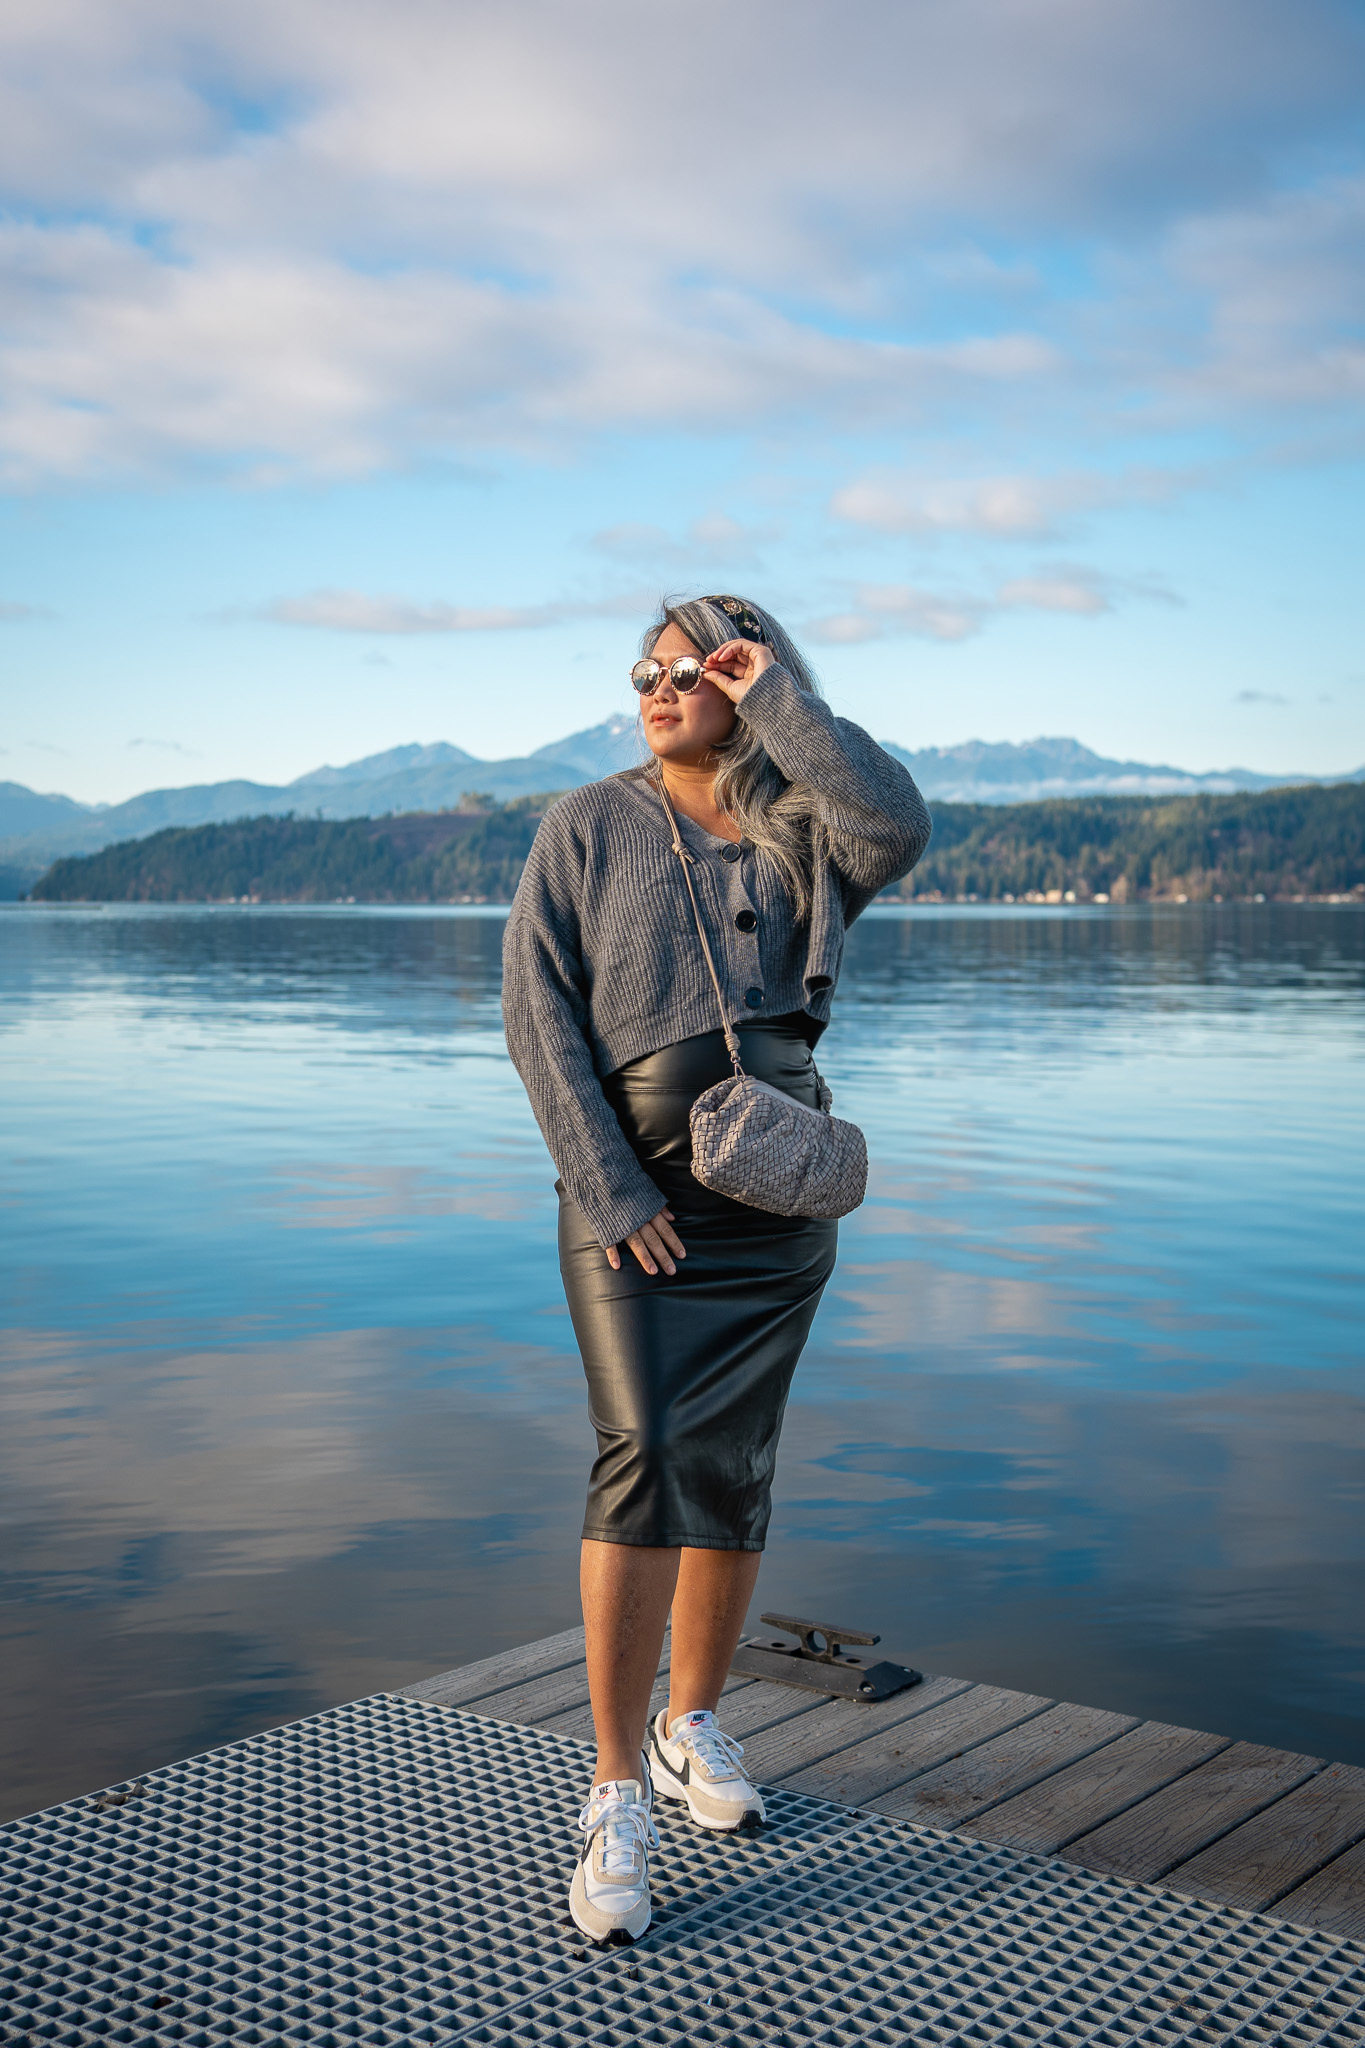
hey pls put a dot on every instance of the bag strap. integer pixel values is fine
(732, 1045)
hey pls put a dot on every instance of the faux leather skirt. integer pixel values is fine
(688, 1374)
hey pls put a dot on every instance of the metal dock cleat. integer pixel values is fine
(816, 1662)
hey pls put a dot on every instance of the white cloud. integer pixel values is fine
(1284, 283)
(996, 505)
(1020, 507)
(886, 610)
(714, 539)
(114, 358)
(1051, 106)
(907, 609)
(633, 538)
(717, 534)
(315, 239)
(353, 611)
(842, 629)
(1082, 594)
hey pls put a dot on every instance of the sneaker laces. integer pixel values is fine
(626, 1826)
(718, 1752)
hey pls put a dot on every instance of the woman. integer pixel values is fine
(690, 1309)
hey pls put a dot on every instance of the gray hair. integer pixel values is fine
(774, 814)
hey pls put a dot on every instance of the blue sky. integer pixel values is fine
(367, 369)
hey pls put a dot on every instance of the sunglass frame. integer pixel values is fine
(650, 683)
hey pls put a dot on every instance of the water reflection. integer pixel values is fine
(220, 1534)
(291, 1404)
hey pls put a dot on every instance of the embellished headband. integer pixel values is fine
(735, 608)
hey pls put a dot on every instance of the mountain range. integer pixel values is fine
(36, 829)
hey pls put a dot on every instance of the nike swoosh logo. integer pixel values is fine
(683, 1776)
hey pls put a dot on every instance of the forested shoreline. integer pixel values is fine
(1298, 842)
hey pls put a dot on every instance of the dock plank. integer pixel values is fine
(760, 1706)
(539, 1699)
(956, 1721)
(1334, 1899)
(1175, 1824)
(954, 1795)
(1111, 1781)
(778, 1755)
(468, 1682)
(1277, 1851)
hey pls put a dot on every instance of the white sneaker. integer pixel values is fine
(609, 1896)
(696, 1761)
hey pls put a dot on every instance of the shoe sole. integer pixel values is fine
(666, 1786)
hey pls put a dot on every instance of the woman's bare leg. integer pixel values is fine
(627, 1590)
(710, 1602)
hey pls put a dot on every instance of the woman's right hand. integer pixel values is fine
(654, 1244)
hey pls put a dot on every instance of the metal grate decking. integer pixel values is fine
(395, 1872)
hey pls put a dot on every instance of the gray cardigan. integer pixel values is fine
(601, 963)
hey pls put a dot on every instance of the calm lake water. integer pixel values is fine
(291, 1406)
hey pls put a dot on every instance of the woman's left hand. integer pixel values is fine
(737, 666)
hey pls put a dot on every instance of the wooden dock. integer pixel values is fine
(1232, 1823)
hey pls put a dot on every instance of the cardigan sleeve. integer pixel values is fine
(545, 1014)
(875, 820)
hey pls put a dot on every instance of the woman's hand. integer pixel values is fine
(737, 666)
(655, 1240)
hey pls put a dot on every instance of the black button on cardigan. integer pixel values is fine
(746, 921)
(753, 997)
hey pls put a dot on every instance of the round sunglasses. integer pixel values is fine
(684, 674)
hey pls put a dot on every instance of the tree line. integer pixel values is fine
(1299, 841)
(1292, 842)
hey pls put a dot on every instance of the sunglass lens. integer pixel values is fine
(645, 675)
(685, 674)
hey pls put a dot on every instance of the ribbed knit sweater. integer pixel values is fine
(601, 961)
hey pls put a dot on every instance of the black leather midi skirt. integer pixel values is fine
(688, 1374)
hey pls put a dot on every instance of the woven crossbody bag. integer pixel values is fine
(757, 1145)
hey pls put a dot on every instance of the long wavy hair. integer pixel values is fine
(772, 813)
